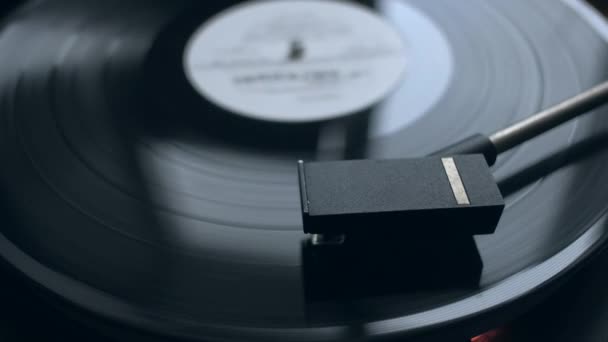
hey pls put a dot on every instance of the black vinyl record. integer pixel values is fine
(137, 195)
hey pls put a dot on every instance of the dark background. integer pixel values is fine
(6, 5)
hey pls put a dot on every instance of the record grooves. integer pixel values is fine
(138, 199)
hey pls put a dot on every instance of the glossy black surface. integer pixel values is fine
(137, 200)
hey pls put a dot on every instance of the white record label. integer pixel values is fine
(295, 61)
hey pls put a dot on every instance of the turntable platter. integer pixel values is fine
(133, 193)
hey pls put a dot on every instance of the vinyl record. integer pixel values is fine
(149, 156)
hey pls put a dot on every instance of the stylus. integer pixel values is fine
(452, 192)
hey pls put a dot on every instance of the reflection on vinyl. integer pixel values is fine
(149, 157)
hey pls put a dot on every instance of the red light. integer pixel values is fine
(495, 335)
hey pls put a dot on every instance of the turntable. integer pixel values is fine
(149, 177)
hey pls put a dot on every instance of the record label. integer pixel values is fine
(296, 61)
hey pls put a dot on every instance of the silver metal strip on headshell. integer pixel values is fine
(460, 193)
